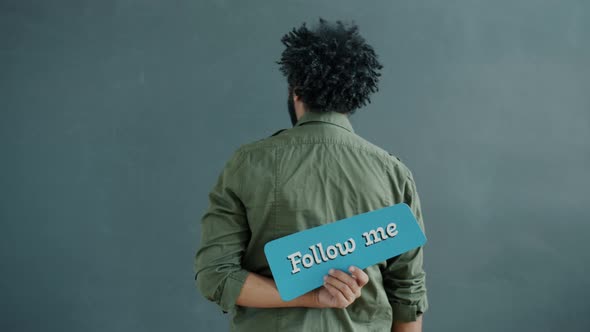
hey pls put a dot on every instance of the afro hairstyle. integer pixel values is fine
(331, 67)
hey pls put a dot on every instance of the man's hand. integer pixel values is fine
(341, 289)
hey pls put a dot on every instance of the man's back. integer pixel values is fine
(318, 172)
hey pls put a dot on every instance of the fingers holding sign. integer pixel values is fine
(341, 289)
(361, 277)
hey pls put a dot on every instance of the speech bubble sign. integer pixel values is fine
(299, 261)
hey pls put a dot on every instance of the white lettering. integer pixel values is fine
(318, 255)
(307, 261)
(315, 254)
(392, 229)
(294, 261)
(321, 249)
(347, 250)
(376, 237)
(332, 252)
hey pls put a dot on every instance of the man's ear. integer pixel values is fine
(296, 93)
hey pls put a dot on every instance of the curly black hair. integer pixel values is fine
(331, 68)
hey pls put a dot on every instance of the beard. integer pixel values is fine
(291, 109)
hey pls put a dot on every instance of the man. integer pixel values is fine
(315, 173)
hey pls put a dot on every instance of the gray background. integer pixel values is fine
(117, 117)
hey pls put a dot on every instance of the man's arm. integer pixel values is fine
(415, 326)
(339, 291)
(225, 234)
(404, 278)
(261, 292)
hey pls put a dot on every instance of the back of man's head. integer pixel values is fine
(330, 67)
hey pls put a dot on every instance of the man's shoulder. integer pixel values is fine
(386, 155)
(283, 137)
(262, 144)
(278, 132)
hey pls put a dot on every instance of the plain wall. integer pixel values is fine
(117, 117)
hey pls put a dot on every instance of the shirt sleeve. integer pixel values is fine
(224, 236)
(404, 278)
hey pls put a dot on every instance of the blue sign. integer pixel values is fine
(300, 261)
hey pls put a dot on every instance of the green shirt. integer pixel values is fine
(315, 173)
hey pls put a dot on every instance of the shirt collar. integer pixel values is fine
(335, 118)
